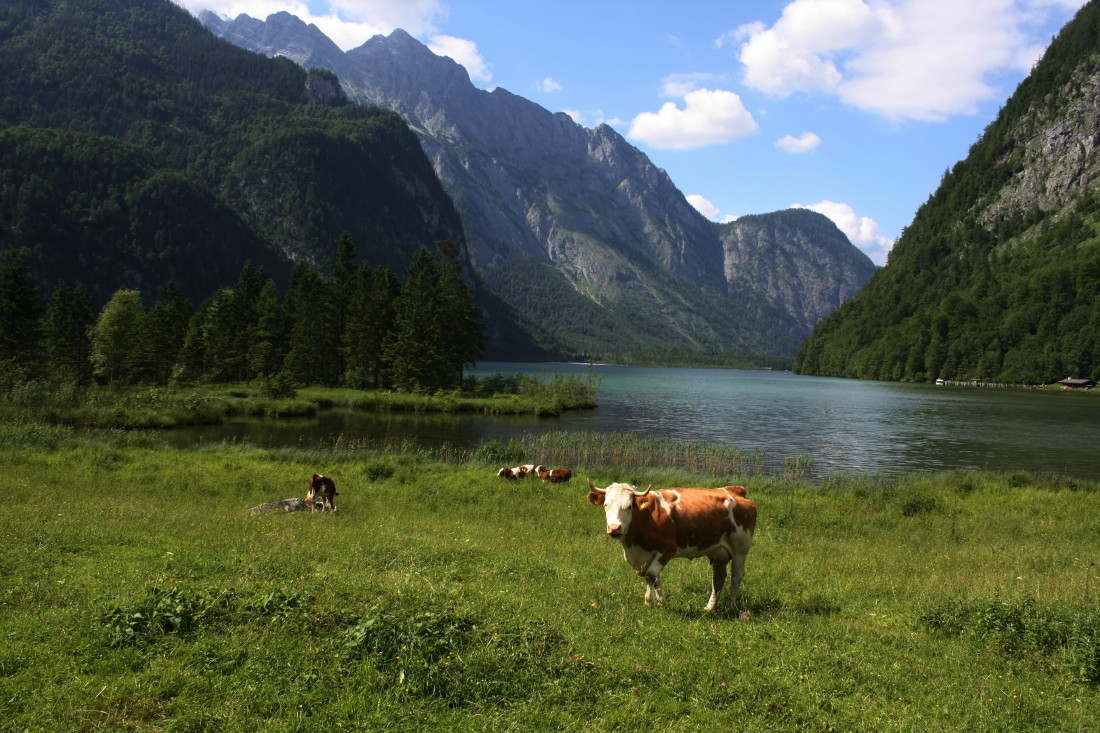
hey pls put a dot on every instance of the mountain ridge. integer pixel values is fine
(542, 198)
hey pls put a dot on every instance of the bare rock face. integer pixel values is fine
(797, 259)
(581, 212)
(1055, 154)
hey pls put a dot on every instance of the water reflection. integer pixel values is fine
(844, 425)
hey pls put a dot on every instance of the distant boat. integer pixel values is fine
(940, 382)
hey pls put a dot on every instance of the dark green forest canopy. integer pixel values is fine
(136, 148)
(1013, 299)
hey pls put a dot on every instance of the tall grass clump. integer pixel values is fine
(634, 451)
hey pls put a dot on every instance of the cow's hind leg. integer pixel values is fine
(738, 567)
(717, 579)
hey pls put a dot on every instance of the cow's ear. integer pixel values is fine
(643, 503)
(596, 498)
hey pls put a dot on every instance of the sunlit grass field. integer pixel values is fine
(138, 593)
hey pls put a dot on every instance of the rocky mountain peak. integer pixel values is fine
(580, 212)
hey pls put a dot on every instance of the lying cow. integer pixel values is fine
(553, 475)
(285, 505)
(517, 472)
(657, 526)
(322, 492)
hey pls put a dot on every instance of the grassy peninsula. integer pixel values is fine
(139, 594)
(64, 402)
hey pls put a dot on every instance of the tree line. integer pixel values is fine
(358, 326)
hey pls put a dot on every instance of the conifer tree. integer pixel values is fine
(370, 321)
(344, 274)
(265, 358)
(313, 345)
(463, 342)
(65, 343)
(20, 313)
(168, 321)
(414, 353)
(191, 363)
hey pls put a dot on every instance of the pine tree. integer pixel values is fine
(463, 342)
(20, 313)
(120, 340)
(413, 352)
(168, 321)
(370, 321)
(265, 358)
(313, 346)
(191, 363)
(65, 342)
(344, 275)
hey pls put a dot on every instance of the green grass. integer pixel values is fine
(159, 407)
(137, 593)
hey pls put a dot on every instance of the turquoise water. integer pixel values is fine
(844, 425)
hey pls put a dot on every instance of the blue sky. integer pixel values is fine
(854, 108)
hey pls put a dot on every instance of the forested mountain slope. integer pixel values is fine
(998, 276)
(136, 148)
(591, 245)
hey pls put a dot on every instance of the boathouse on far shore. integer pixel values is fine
(1072, 383)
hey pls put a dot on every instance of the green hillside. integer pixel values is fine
(136, 148)
(998, 276)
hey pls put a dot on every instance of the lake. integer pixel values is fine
(844, 425)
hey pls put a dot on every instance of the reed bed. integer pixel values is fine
(633, 452)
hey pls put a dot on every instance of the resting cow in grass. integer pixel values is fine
(322, 490)
(553, 475)
(657, 526)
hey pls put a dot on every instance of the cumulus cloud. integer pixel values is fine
(708, 117)
(903, 59)
(707, 209)
(548, 85)
(862, 231)
(465, 53)
(804, 143)
(677, 85)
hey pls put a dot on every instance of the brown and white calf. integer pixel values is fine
(657, 526)
(553, 475)
(322, 490)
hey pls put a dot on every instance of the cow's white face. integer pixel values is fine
(618, 507)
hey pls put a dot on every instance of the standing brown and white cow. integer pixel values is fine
(657, 526)
(322, 490)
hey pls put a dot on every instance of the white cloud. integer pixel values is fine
(805, 142)
(465, 53)
(349, 23)
(709, 210)
(548, 85)
(677, 85)
(703, 206)
(709, 117)
(593, 118)
(903, 59)
(862, 231)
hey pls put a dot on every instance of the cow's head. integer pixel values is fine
(618, 502)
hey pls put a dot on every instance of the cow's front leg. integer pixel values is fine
(717, 579)
(653, 590)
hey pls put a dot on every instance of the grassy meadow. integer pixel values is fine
(138, 593)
